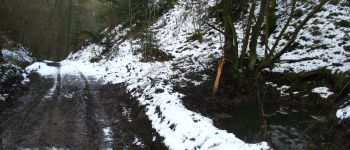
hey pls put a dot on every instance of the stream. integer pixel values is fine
(289, 127)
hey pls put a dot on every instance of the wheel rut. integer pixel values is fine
(98, 122)
(71, 111)
(21, 126)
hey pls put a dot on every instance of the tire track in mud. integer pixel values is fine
(27, 109)
(90, 120)
(73, 113)
(98, 122)
(79, 113)
(70, 122)
(50, 115)
(61, 118)
(20, 127)
(120, 121)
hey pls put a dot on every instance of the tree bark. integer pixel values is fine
(230, 46)
(247, 32)
(255, 34)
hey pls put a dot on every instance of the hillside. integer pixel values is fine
(15, 58)
(185, 54)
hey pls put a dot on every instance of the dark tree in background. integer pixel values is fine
(52, 28)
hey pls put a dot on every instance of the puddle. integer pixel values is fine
(286, 125)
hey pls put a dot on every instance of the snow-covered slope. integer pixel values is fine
(322, 41)
(344, 111)
(15, 57)
(15, 53)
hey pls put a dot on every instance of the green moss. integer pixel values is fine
(317, 41)
(315, 31)
(346, 38)
(316, 21)
(347, 48)
(196, 36)
(298, 13)
(343, 23)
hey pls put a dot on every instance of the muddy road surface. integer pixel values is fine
(72, 111)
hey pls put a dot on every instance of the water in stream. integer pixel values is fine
(288, 126)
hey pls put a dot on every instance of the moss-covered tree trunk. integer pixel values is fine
(230, 74)
(230, 47)
(271, 17)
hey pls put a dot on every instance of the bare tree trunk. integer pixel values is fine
(270, 24)
(255, 34)
(266, 30)
(230, 47)
(247, 32)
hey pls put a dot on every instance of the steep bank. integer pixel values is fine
(15, 58)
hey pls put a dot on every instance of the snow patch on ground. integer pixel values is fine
(324, 92)
(107, 131)
(283, 90)
(3, 97)
(21, 55)
(43, 69)
(138, 142)
(89, 52)
(51, 91)
(343, 113)
(69, 95)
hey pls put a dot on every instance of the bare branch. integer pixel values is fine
(285, 27)
(215, 28)
(267, 61)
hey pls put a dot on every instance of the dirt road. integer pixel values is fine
(76, 112)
